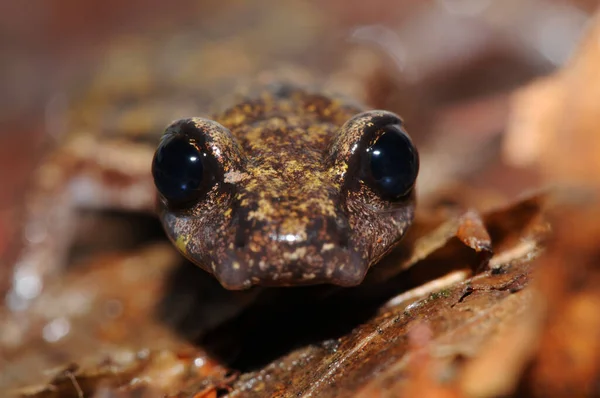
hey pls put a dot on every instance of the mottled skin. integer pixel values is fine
(289, 204)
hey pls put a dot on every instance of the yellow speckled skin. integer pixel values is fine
(288, 204)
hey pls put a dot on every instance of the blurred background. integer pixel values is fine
(64, 58)
(433, 53)
(449, 67)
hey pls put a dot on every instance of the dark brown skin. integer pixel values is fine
(289, 205)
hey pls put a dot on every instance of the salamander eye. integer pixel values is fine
(178, 168)
(392, 163)
(183, 169)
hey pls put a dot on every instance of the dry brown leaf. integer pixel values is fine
(554, 122)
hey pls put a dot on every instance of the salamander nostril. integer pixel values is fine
(344, 239)
(330, 231)
(241, 240)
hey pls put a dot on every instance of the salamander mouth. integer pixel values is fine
(337, 266)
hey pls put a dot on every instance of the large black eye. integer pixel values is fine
(393, 163)
(178, 168)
